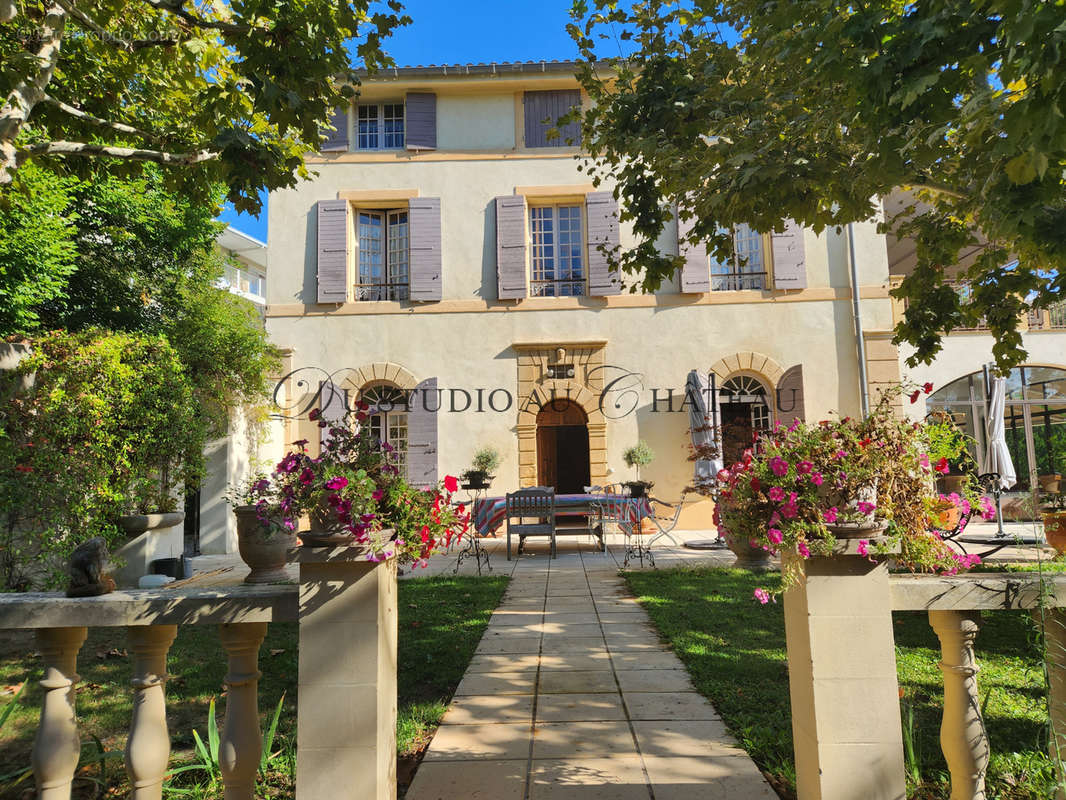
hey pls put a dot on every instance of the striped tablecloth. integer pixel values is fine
(489, 512)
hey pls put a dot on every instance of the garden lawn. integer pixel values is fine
(441, 621)
(734, 649)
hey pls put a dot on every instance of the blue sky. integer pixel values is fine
(483, 31)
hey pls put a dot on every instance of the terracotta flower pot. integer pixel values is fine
(264, 548)
(946, 519)
(1055, 530)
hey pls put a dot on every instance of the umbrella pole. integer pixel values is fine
(999, 511)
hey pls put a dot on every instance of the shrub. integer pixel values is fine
(93, 425)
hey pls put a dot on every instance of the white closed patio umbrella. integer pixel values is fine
(705, 426)
(997, 454)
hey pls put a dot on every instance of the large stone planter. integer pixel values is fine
(264, 548)
(748, 557)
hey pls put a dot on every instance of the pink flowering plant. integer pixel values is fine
(802, 481)
(355, 486)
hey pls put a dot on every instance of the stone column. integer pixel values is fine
(842, 679)
(148, 745)
(241, 742)
(1054, 623)
(346, 720)
(57, 748)
(962, 730)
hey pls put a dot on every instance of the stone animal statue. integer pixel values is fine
(87, 570)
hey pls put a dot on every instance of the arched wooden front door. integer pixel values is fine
(563, 447)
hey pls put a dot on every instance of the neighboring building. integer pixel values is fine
(449, 245)
(1035, 414)
(210, 526)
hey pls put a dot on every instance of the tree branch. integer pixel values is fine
(28, 92)
(77, 112)
(129, 45)
(175, 7)
(110, 151)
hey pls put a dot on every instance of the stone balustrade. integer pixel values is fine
(842, 671)
(346, 714)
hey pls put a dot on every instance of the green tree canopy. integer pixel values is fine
(234, 93)
(749, 111)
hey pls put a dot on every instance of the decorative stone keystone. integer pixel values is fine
(346, 725)
(241, 741)
(148, 745)
(57, 747)
(842, 679)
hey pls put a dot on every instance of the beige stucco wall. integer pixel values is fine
(469, 346)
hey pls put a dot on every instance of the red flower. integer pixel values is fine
(755, 484)
(927, 387)
(23, 468)
(941, 466)
(864, 442)
(450, 483)
(314, 414)
(915, 395)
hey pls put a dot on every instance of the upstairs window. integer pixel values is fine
(558, 268)
(380, 126)
(542, 111)
(747, 270)
(384, 255)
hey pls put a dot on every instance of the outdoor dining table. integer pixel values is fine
(490, 512)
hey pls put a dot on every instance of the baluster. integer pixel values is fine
(1054, 620)
(962, 731)
(241, 741)
(57, 748)
(148, 745)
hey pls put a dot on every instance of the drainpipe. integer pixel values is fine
(856, 312)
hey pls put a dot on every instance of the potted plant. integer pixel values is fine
(1049, 483)
(809, 485)
(948, 449)
(637, 456)
(484, 463)
(264, 531)
(1054, 513)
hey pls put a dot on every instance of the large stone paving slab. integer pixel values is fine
(571, 695)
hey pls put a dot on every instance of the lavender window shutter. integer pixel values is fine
(333, 225)
(535, 109)
(421, 128)
(423, 218)
(542, 111)
(790, 404)
(333, 401)
(423, 404)
(695, 272)
(602, 212)
(337, 139)
(511, 246)
(790, 263)
(570, 133)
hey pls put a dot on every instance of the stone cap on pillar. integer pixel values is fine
(333, 554)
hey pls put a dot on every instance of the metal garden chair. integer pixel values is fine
(536, 503)
(665, 524)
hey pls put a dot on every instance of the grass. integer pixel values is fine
(440, 623)
(734, 649)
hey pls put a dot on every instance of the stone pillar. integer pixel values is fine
(1054, 624)
(962, 730)
(346, 720)
(241, 742)
(842, 679)
(57, 748)
(148, 745)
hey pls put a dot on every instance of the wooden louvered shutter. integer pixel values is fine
(333, 233)
(790, 404)
(421, 123)
(333, 401)
(511, 247)
(790, 263)
(542, 111)
(336, 139)
(602, 213)
(696, 271)
(422, 407)
(423, 225)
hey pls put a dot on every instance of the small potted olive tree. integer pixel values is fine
(484, 463)
(637, 456)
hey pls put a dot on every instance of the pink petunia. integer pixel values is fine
(863, 547)
(378, 494)
(804, 467)
(923, 460)
(830, 515)
(775, 536)
(762, 596)
(778, 466)
(817, 479)
(337, 483)
(802, 549)
(307, 476)
(776, 493)
(942, 466)
(866, 508)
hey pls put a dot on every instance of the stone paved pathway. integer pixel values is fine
(571, 696)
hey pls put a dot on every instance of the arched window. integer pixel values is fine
(387, 418)
(745, 412)
(1034, 418)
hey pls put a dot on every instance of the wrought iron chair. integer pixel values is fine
(537, 502)
(617, 510)
(665, 524)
